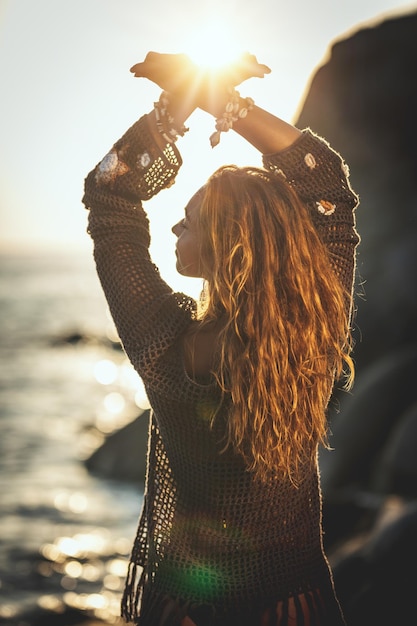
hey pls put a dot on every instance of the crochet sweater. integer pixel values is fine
(213, 542)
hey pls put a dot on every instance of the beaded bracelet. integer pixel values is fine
(232, 113)
(165, 121)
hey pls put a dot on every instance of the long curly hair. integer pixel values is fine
(284, 318)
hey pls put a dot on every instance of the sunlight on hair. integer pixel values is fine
(213, 46)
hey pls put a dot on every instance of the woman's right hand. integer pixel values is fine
(175, 73)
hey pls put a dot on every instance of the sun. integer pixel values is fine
(213, 46)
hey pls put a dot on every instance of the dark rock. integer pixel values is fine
(67, 617)
(375, 584)
(363, 100)
(78, 337)
(123, 454)
(398, 465)
(348, 513)
(368, 417)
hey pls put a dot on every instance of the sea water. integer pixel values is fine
(65, 535)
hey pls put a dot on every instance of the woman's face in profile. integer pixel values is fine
(187, 249)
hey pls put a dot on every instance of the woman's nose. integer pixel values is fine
(174, 229)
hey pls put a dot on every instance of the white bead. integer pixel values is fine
(107, 168)
(144, 160)
(310, 161)
(325, 207)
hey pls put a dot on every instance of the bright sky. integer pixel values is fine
(67, 95)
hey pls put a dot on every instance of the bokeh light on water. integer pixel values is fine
(94, 559)
(65, 534)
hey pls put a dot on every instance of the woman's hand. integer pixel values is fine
(172, 72)
(246, 66)
(178, 74)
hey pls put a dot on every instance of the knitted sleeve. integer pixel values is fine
(320, 177)
(147, 314)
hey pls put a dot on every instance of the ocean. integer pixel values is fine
(65, 535)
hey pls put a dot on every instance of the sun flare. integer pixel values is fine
(213, 46)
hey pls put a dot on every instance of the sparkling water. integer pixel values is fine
(65, 535)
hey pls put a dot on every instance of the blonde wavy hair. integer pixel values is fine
(283, 314)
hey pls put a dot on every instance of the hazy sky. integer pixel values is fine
(67, 94)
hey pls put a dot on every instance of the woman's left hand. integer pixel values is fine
(246, 66)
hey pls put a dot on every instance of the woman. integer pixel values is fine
(230, 531)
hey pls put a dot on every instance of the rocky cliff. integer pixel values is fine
(364, 101)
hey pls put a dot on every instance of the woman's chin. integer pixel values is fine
(180, 269)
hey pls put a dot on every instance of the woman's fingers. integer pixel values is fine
(172, 72)
(252, 62)
(262, 70)
(138, 70)
(247, 66)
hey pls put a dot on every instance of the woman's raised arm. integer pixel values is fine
(213, 91)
